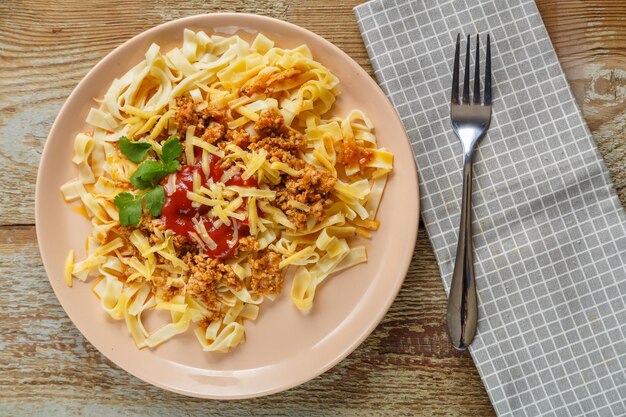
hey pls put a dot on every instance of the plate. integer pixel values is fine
(283, 348)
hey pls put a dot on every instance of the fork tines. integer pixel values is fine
(466, 82)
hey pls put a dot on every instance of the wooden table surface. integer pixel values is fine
(406, 367)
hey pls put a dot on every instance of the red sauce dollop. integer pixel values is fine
(178, 211)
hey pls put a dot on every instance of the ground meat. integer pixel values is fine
(248, 244)
(240, 138)
(266, 276)
(312, 188)
(167, 290)
(291, 143)
(186, 115)
(150, 226)
(352, 154)
(214, 132)
(183, 245)
(311, 185)
(205, 274)
(281, 143)
(272, 124)
(269, 82)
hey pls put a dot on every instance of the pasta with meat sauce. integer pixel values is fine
(212, 171)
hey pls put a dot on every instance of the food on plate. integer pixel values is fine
(210, 171)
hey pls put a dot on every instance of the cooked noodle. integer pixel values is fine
(265, 181)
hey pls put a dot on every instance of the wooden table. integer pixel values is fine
(406, 367)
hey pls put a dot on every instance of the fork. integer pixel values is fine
(470, 121)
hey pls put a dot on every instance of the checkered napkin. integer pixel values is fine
(549, 231)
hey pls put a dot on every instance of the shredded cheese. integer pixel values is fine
(143, 269)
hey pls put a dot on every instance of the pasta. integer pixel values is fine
(210, 172)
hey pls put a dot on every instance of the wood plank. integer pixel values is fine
(43, 43)
(407, 366)
(590, 39)
(47, 48)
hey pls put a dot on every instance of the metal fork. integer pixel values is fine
(470, 121)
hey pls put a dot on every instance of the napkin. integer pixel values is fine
(549, 230)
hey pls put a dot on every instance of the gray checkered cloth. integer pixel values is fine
(549, 230)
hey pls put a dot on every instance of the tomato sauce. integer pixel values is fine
(178, 210)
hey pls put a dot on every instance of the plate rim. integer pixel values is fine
(412, 226)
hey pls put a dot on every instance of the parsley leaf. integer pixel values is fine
(172, 166)
(149, 174)
(171, 150)
(130, 209)
(134, 151)
(155, 198)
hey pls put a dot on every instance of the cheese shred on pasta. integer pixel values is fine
(267, 184)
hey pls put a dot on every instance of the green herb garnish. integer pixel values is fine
(147, 176)
(155, 198)
(130, 209)
(171, 150)
(134, 151)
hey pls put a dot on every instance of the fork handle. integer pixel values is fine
(462, 315)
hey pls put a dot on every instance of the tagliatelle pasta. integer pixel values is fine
(210, 172)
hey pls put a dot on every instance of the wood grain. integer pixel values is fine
(47, 48)
(590, 39)
(406, 367)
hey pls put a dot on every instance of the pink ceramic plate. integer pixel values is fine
(284, 348)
